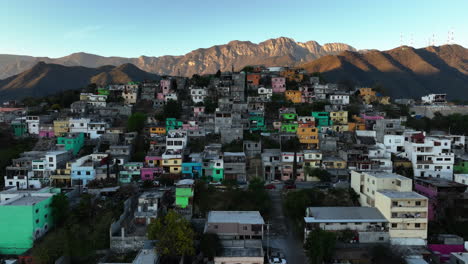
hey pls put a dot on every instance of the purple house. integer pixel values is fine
(442, 194)
(150, 174)
(165, 86)
(46, 132)
(278, 84)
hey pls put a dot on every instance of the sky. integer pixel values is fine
(56, 28)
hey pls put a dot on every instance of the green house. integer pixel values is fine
(289, 127)
(23, 219)
(103, 91)
(183, 196)
(461, 167)
(257, 122)
(289, 116)
(72, 142)
(322, 119)
(19, 128)
(217, 174)
(172, 123)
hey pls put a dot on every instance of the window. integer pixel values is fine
(394, 215)
(418, 203)
(381, 238)
(88, 173)
(417, 225)
(245, 227)
(395, 203)
(45, 216)
(215, 226)
(394, 225)
(37, 211)
(37, 221)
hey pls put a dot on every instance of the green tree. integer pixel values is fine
(136, 122)
(247, 69)
(320, 246)
(60, 208)
(256, 184)
(210, 105)
(322, 174)
(172, 109)
(210, 245)
(173, 234)
(218, 74)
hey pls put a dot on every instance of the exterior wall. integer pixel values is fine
(461, 178)
(293, 96)
(278, 84)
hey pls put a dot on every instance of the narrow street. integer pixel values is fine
(282, 236)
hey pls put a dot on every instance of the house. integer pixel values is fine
(322, 119)
(253, 79)
(312, 159)
(339, 118)
(83, 169)
(256, 121)
(446, 198)
(24, 217)
(252, 148)
(461, 178)
(293, 96)
(130, 171)
(430, 156)
(367, 223)
(339, 99)
(235, 166)
(198, 94)
(172, 161)
(287, 164)
(46, 131)
(235, 224)
(176, 139)
(73, 142)
(308, 134)
(236, 252)
(33, 124)
(392, 194)
(192, 170)
(271, 164)
(148, 207)
(434, 99)
(278, 84)
(459, 258)
(19, 128)
(184, 193)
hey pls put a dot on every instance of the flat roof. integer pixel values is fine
(27, 200)
(344, 214)
(241, 252)
(243, 217)
(439, 182)
(382, 174)
(397, 194)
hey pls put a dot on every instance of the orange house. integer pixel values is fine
(293, 96)
(157, 130)
(292, 75)
(364, 92)
(253, 79)
(308, 134)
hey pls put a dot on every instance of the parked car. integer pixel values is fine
(277, 258)
(289, 186)
(270, 186)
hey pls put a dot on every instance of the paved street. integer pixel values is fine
(282, 236)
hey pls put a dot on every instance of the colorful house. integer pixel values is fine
(73, 142)
(192, 170)
(289, 127)
(256, 121)
(184, 193)
(339, 117)
(61, 127)
(172, 123)
(103, 91)
(308, 134)
(253, 79)
(46, 132)
(24, 217)
(19, 128)
(322, 119)
(150, 173)
(293, 96)
(157, 131)
(130, 171)
(278, 84)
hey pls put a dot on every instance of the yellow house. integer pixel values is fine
(293, 96)
(392, 194)
(157, 130)
(339, 117)
(334, 163)
(172, 166)
(61, 127)
(292, 75)
(385, 100)
(367, 92)
(340, 128)
(407, 213)
(308, 135)
(61, 177)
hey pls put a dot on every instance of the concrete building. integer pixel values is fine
(24, 217)
(271, 163)
(148, 207)
(235, 166)
(235, 224)
(240, 252)
(434, 99)
(176, 139)
(369, 225)
(278, 84)
(198, 94)
(459, 258)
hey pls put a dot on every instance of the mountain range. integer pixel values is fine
(278, 52)
(45, 79)
(403, 71)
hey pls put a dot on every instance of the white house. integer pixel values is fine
(339, 99)
(394, 143)
(434, 99)
(79, 125)
(198, 94)
(33, 124)
(461, 178)
(176, 139)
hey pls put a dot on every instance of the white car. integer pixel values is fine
(277, 261)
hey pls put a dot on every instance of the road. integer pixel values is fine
(281, 232)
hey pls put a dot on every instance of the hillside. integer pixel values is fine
(273, 52)
(403, 71)
(44, 79)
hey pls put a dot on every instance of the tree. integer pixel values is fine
(210, 245)
(322, 174)
(210, 105)
(382, 254)
(173, 234)
(293, 145)
(256, 184)
(60, 207)
(319, 246)
(218, 74)
(320, 76)
(172, 109)
(247, 69)
(136, 122)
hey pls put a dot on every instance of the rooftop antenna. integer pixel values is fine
(412, 40)
(401, 39)
(433, 39)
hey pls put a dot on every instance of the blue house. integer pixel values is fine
(192, 170)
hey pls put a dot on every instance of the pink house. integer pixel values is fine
(46, 132)
(165, 86)
(198, 110)
(376, 117)
(149, 174)
(278, 84)
(160, 96)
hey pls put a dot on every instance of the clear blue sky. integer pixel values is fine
(132, 28)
